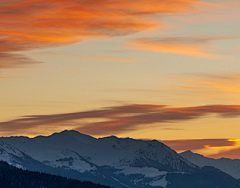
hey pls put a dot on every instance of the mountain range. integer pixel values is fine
(229, 166)
(118, 162)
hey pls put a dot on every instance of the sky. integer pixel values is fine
(166, 70)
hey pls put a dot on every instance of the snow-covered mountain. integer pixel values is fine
(19, 159)
(50, 153)
(229, 166)
(114, 161)
(84, 153)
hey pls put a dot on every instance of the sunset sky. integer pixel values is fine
(149, 69)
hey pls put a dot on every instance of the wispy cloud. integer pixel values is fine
(221, 11)
(13, 60)
(4, 77)
(203, 88)
(29, 24)
(229, 82)
(197, 144)
(192, 46)
(120, 119)
(229, 153)
(110, 59)
(214, 148)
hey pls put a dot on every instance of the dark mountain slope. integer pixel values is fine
(207, 177)
(11, 176)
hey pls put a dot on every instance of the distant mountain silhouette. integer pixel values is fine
(229, 166)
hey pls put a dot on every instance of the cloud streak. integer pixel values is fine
(230, 153)
(108, 58)
(119, 119)
(30, 24)
(192, 46)
(197, 144)
(226, 82)
(11, 60)
(213, 148)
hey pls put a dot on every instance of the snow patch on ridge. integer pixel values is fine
(162, 182)
(146, 171)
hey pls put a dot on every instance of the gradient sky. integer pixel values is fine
(167, 70)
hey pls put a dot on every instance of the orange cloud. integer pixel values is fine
(13, 60)
(192, 46)
(230, 153)
(221, 11)
(213, 148)
(4, 77)
(224, 83)
(197, 144)
(29, 24)
(111, 59)
(120, 118)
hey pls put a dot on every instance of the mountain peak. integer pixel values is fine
(72, 136)
(70, 133)
(66, 131)
(190, 153)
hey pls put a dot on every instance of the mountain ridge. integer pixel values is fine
(229, 166)
(119, 162)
